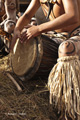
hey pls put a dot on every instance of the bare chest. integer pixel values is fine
(56, 10)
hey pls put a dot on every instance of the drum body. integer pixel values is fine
(35, 58)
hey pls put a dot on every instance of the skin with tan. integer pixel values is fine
(67, 18)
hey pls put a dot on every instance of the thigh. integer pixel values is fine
(70, 47)
(76, 40)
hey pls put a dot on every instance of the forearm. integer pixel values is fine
(22, 21)
(29, 13)
(58, 23)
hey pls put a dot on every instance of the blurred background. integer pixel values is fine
(23, 4)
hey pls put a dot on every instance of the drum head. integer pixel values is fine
(26, 57)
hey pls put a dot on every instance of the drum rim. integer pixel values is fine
(38, 59)
(29, 74)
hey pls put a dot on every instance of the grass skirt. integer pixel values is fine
(64, 86)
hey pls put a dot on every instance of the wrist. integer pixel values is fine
(39, 29)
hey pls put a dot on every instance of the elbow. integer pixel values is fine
(75, 19)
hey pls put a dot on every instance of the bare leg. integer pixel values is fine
(64, 79)
(70, 47)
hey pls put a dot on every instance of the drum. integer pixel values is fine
(34, 58)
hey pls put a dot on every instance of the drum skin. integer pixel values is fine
(25, 57)
(34, 58)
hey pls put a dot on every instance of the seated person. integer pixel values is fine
(64, 85)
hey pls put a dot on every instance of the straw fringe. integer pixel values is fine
(64, 86)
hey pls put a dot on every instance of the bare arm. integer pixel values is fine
(24, 20)
(29, 13)
(71, 16)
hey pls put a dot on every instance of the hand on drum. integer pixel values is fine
(30, 32)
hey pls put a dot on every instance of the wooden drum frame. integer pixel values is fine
(34, 58)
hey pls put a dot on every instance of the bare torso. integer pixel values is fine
(58, 10)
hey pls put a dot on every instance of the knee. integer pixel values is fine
(66, 48)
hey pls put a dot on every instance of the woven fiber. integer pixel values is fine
(64, 86)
